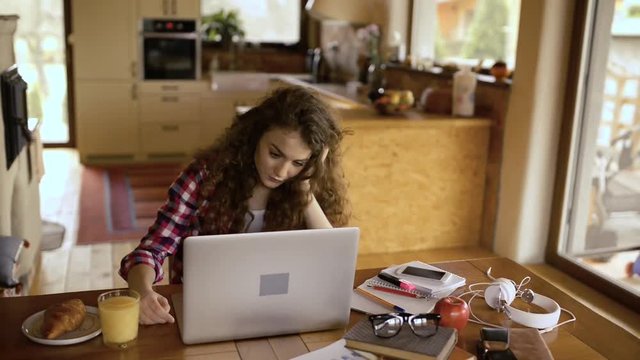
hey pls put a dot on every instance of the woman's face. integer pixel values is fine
(280, 155)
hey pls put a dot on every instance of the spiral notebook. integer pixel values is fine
(414, 305)
(377, 282)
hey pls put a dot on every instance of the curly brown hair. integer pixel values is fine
(231, 173)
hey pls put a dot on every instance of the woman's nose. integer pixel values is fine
(281, 170)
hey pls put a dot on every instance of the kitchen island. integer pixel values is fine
(416, 181)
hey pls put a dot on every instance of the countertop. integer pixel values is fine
(350, 104)
(354, 107)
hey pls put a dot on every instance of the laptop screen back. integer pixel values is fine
(269, 283)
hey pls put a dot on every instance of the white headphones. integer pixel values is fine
(501, 293)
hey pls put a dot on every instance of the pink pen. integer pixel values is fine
(403, 284)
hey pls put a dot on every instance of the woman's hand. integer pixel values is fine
(313, 215)
(154, 309)
(306, 184)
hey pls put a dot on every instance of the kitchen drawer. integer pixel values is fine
(173, 86)
(169, 108)
(171, 138)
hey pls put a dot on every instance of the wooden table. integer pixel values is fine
(163, 341)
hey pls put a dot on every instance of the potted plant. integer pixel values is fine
(224, 27)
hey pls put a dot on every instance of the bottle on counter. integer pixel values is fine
(464, 89)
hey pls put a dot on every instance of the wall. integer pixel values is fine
(532, 130)
(254, 59)
(19, 194)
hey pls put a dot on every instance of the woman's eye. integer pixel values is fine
(274, 155)
(298, 164)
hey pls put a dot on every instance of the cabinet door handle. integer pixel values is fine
(170, 128)
(170, 87)
(134, 91)
(173, 7)
(170, 99)
(165, 7)
(133, 69)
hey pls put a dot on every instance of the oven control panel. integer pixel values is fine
(168, 26)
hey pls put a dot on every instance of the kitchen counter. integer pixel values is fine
(416, 185)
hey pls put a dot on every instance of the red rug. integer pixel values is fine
(120, 202)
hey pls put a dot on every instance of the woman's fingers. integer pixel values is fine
(164, 303)
(154, 309)
(325, 152)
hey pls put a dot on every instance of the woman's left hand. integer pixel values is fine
(306, 184)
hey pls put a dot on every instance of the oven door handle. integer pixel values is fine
(154, 35)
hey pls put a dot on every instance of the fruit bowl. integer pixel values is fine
(394, 102)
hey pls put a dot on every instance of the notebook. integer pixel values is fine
(249, 285)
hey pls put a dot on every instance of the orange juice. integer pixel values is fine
(119, 314)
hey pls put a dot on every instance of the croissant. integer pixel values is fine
(63, 317)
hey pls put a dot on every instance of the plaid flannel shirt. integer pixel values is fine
(176, 220)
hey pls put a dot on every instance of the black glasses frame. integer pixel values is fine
(404, 318)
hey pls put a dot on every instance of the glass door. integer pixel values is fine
(40, 54)
(600, 234)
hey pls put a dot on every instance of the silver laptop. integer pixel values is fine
(269, 283)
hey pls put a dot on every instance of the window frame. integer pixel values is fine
(586, 25)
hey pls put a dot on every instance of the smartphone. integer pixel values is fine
(436, 275)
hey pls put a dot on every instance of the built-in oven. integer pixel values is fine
(170, 49)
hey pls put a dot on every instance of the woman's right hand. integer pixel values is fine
(154, 309)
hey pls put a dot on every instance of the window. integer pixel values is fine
(466, 31)
(264, 21)
(600, 235)
(40, 54)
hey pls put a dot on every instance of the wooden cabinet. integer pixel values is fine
(169, 115)
(118, 117)
(174, 108)
(103, 39)
(169, 8)
(168, 140)
(217, 110)
(106, 121)
(104, 53)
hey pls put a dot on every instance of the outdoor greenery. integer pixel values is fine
(487, 35)
(223, 26)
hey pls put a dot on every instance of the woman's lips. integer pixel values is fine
(274, 180)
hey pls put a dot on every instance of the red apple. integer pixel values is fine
(454, 312)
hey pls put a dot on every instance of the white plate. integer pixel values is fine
(89, 329)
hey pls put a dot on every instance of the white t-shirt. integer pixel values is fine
(257, 223)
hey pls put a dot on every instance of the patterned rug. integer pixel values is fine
(120, 202)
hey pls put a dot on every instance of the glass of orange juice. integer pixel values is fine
(119, 312)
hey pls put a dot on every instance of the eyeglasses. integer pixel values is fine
(389, 325)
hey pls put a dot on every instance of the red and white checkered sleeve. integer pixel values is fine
(175, 221)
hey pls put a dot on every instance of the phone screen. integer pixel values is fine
(425, 273)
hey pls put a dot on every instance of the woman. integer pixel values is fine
(277, 167)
